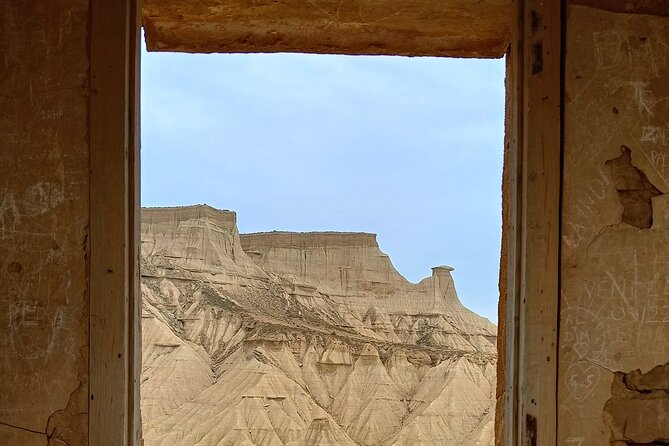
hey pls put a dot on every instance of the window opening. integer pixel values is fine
(309, 301)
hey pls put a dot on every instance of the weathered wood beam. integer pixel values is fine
(456, 28)
(536, 64)
(114, 328)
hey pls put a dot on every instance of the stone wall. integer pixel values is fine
(614, 320)
(44, 217)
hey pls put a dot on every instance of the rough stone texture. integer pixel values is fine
(303, 339)
(615, 272)
(637, 410)
(43, 223)
(352, 270)
(414, 27)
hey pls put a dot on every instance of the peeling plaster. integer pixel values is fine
(638, 411)
(635, 191)
(614, 300)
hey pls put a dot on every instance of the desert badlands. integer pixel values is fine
(309, 339)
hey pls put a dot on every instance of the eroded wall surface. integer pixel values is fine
(614, 325)
(43, 222)
(459, 28)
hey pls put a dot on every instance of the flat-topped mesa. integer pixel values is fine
(340, 263)
(198, 238)
(173, 215)
(285, 239)
(315, 331)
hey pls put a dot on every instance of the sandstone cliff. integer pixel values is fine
(302, 339)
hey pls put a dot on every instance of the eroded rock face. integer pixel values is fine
(302, 339)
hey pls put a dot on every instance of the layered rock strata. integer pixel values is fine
(302, 339)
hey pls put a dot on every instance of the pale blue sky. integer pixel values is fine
(407, 148)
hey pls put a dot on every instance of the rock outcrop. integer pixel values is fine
(302, 339)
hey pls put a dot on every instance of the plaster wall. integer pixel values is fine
(614, 308)
(44, 217)
(614, 321)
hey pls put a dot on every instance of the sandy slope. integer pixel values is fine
(302, 339)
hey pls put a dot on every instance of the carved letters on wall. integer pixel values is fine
(615, 245)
